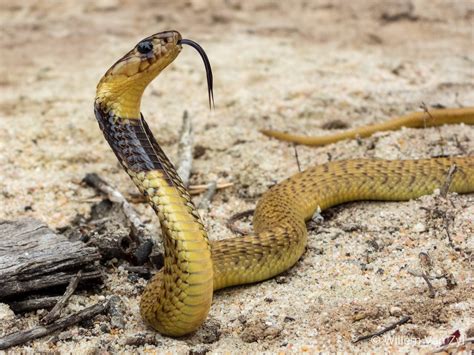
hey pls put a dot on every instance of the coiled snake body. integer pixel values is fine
(177, 300)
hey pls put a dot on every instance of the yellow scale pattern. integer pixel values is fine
(177, 300)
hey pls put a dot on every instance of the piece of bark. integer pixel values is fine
(110, 245)
(33, 257)
(34, 303)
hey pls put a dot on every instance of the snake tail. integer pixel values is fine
(429, 118)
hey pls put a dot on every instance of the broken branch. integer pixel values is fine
(297, 157)
(24, 336)
(55, 313)
(384, 330)
(185, 149)
(449, 179)
(34, 304)
(207, 198)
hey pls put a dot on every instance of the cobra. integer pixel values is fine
(177, 299)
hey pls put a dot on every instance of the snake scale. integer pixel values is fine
(177, 299)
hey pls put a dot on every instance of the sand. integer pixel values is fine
(292, 66)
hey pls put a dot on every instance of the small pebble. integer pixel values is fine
(116, 312)
(281, 280)
(395, 311)
(6, 313)
(419, 228)
(65, 335)
(198, 350)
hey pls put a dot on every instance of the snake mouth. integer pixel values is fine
(207, 65)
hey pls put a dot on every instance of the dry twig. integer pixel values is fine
(207, 198)
(24, 336)
(384, 330)
(34, 304)
(449, 179)
(185, 149)
(55, 313)
(463, 347)
(429, 277)
(425, 109)
(430, 286)
(237, 216)
(450, 281)
(198, 189)
(141, 236)
(297, 157)
(426, 274)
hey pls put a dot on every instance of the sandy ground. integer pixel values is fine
(287, 65)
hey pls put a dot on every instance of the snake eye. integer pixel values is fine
(145, 47)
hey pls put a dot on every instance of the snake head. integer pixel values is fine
(121, 88)
(148, 58)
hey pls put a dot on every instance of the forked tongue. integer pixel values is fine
(207, 65)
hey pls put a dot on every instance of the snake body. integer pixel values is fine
(177, 299)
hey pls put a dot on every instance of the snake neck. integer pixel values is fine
(120, 98)
(178, 301)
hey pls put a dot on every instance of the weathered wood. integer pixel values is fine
(95, 181)
(33, 257)
(185, 149)
(208, 196)
(136, 249)
(24, 336)
(33, 304)
(55, 313)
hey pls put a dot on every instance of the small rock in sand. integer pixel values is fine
(6, 313)
(419, 228)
